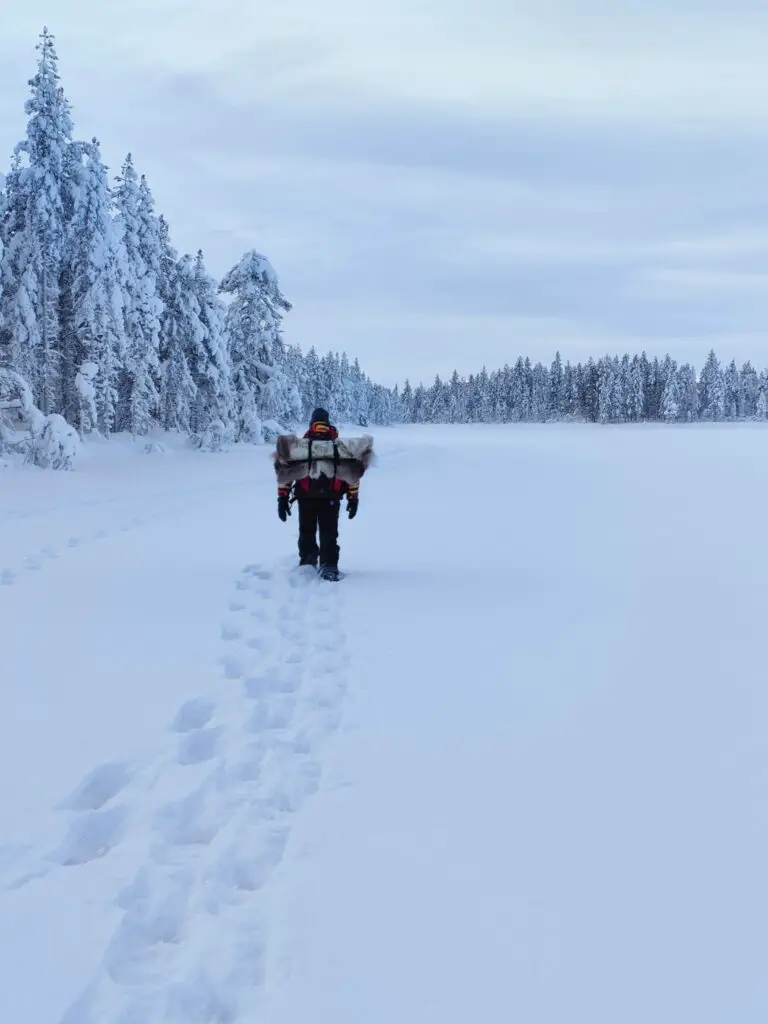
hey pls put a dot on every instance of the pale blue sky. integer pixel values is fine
(445, 184)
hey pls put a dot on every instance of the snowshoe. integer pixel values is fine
(330, 573)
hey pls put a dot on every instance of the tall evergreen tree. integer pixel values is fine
(34, 234)
(138, 393)
(94, 326)
(254, 332)
(712, 389)
(209, 361)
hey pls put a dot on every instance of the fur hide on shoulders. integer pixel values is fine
(292, 458)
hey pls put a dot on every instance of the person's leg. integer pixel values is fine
(328, 516)
(308, 521)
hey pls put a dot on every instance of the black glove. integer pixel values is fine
(352, 507)
(283, 507)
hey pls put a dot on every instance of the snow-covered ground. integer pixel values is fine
(513, 768)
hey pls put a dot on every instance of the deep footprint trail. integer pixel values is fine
(207, 819)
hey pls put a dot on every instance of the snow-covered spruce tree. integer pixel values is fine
(34, 234)
(138, 388)
(670, 398)
(213, 415)
(93, 328)
(296, 369)
(263, 392)
(180, 330)
(311, 392)
(712, 390)
(732, 392)
(749, 387)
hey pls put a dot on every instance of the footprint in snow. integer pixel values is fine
(91, 836)
(251, 859)
(199, 746)
(296, 786)
(7, 577)
(233, 669)
(289, 678)
(189, 821)
(99, 786)
(257, 572)
(260, 686)
(259, 643)
(230, 631)
(270, 717)
(193, 714)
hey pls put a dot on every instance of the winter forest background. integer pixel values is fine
(105, 328)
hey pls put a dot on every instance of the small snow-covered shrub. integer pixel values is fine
(20, 420)
(154, 448)
(56, 445)
(270, 431)
(16, 411)
(251, 431)
(215, 438)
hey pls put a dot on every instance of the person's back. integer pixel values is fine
(319, 500)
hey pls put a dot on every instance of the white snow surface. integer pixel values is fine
(513, 768)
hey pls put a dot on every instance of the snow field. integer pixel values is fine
(514, 766)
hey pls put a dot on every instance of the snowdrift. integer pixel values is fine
(297, 458)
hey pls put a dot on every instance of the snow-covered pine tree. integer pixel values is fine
(556, 389)
(311, 393)
(94, 327)
(213, 416)
(712, 389)
(455, 399)
(670, 398)
(180, 332)
(138, 392)
(732, 391)
(295, 366)
(253, 328)
(34, 234)
(639, 376)
(749, 387)
(687, 393)
(540, 394)
(607, 387)
(761, 412)
(361, 394)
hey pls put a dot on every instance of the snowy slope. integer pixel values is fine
(513, 768)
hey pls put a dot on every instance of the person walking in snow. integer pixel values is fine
(319, 500)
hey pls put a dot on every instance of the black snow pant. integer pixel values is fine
(318, 514)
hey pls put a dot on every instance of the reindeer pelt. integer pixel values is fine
(291, 459)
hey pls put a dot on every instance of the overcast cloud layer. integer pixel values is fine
(444, 184)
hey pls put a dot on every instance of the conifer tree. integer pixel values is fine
(138, 391)
(34, 234)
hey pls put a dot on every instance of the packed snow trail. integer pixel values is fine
(513, 767)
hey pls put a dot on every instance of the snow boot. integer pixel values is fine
(329, 573)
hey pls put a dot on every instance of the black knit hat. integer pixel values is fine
(320, 416)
